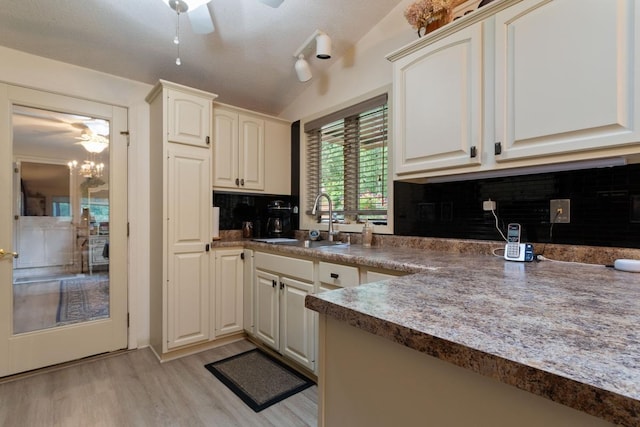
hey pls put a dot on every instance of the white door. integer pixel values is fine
(188, 207)
(267, 308)
(298, 330)
(225, 150)
(52, 308)
(189, 118)
(251, 152)
(229, 286)
(566, 85)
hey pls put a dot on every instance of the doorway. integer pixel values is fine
(63, 295)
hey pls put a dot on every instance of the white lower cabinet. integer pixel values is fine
(281, 320)
(229, 291)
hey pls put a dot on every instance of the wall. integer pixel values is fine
(362, 69)
(361, 73)
(604, 210)
(22, 69)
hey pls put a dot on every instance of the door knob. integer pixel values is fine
(3, 254)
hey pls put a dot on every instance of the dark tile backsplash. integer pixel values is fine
(605, 207)
(236, 208)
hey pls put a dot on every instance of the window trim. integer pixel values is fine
(308, 222)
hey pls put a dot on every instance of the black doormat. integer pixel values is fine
(258, 379)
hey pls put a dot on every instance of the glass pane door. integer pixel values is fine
(61, 219)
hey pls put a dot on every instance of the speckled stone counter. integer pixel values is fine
(563, 331)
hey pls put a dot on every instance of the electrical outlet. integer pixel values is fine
(560, 211)
(489, 205)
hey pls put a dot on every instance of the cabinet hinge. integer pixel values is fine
(126, 133)
(497, 148)
(242, 256)
(128, 320)
(16, 170)
(473, 152)
(128, 229)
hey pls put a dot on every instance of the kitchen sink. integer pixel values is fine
(301, 243)
(311, 243)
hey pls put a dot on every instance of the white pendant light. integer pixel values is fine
(303, 71)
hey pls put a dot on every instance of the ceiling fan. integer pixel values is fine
(199, 15)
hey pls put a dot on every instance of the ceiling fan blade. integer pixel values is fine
(201, 21)
(272, 3)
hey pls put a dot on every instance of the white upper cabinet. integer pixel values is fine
(522, 83)
(566, 77)
(238, 150)
(438, 104)
(251, 152)
(189, 118)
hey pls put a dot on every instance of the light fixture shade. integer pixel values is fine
(323, 46)
(303, 71)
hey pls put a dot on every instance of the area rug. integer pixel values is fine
(258, 379)
(82, 299)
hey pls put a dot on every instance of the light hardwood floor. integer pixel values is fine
(134, 389)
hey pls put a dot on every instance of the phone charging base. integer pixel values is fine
(525, 254)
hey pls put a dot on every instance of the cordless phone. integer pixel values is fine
(512, 250)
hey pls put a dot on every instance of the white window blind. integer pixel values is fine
(347, 159)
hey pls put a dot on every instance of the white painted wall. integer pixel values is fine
(361, 70)
(361, 73)
(22, 69)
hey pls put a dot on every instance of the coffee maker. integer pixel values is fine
(279, 219)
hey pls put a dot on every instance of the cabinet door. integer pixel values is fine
(251, 152)
(566, 83)
(298, 330)
(189, 118)
(229, 276)
(225, 148)
(267, 308)
(188, 207)
(277, 162)
(438, 101)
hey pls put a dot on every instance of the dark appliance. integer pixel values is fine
(279, 219)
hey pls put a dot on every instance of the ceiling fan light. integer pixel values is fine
(182, 6)
(323, 46)
(272, 3)
(303, 71)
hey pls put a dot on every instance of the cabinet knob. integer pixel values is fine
(281, 285)
(334, 275)
(497, 148)
(237, 181)
(242, 182)
(473, 152)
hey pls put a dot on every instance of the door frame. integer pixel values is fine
(22, 352)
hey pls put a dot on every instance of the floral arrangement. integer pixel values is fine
(423, 12)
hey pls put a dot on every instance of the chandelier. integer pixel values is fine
(88, 169)
(94, 144)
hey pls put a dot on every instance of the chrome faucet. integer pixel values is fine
(315, 208)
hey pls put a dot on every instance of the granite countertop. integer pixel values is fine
(567, 332)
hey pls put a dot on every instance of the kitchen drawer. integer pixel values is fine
(290, 267)
(343, 276)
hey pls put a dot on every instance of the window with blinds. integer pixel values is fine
(347, 159)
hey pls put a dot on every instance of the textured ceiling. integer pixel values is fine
(248, 60)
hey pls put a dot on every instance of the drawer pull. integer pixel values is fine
(334, 275)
